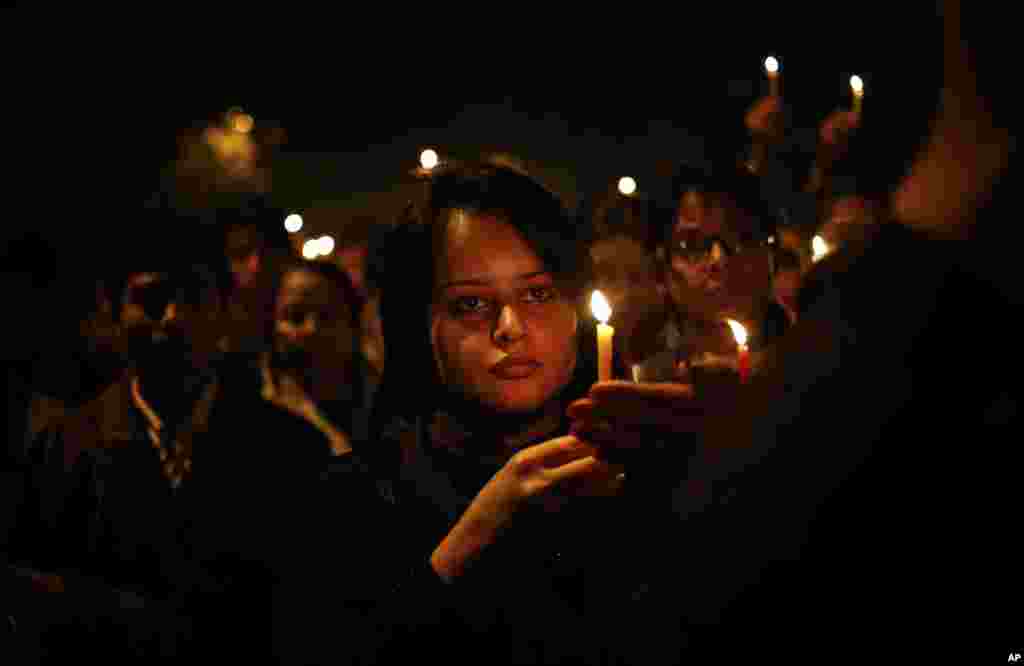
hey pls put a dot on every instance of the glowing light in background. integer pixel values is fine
(627, 185)
(429, 159)
(293, 223)
(326, 245)
(311, 249)
(771, 65)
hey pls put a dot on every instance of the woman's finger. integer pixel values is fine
(552, 453)
(638, 416)
(658, 392)
(572, 469)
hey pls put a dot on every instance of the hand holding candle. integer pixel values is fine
(603, 312)
(743, 352)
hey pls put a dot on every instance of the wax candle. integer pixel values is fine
(742, 351)
(771, 67)
(603, 312)
(857, 86)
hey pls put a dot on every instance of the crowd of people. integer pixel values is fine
(216, 448)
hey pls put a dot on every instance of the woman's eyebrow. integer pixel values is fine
(485, 281)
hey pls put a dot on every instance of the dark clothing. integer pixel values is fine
(154, 568)
(858, 485)
(573, 581)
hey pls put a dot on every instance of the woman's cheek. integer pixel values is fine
(460, 351)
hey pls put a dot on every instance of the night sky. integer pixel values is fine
(584, 99)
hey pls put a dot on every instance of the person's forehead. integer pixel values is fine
(308, 288)
(483, 247)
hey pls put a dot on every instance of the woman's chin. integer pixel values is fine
(517, 400)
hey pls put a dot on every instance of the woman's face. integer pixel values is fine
(313, 326)
(503, 333)
(713, 271)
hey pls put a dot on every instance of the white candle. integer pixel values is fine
(603, 312)
(771, 67)
(857, 86)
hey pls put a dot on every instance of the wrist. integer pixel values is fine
(473, 532)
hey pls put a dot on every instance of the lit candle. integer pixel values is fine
(771, 67)
(857, 86)
(819, 248)
(603, 312)
(743, 352)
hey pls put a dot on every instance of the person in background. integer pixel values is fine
(60, 351)
(714, 264)
(256, 245)
(313, 369)
(841, 467)
(280, 425)
(114, 522)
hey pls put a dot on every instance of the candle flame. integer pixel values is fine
(429, 159)
(627, 185)
(771, 65)
(600, 307)
(819, 247)
(857, 85)
(242, 123)
(738, 331)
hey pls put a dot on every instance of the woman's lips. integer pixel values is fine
(514, 368)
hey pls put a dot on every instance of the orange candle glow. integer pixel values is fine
(603, 312)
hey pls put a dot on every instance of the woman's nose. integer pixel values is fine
(509, 327)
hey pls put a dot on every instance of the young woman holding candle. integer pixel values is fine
(531, 531)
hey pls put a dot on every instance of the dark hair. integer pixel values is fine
(257, 212)
(785, 259)
(402, 264)
(634, 217)
(723, 175)
(186, 253)
(334, 275)
(62, 282)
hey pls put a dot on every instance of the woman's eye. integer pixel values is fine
(470, 305)
(539, 294)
